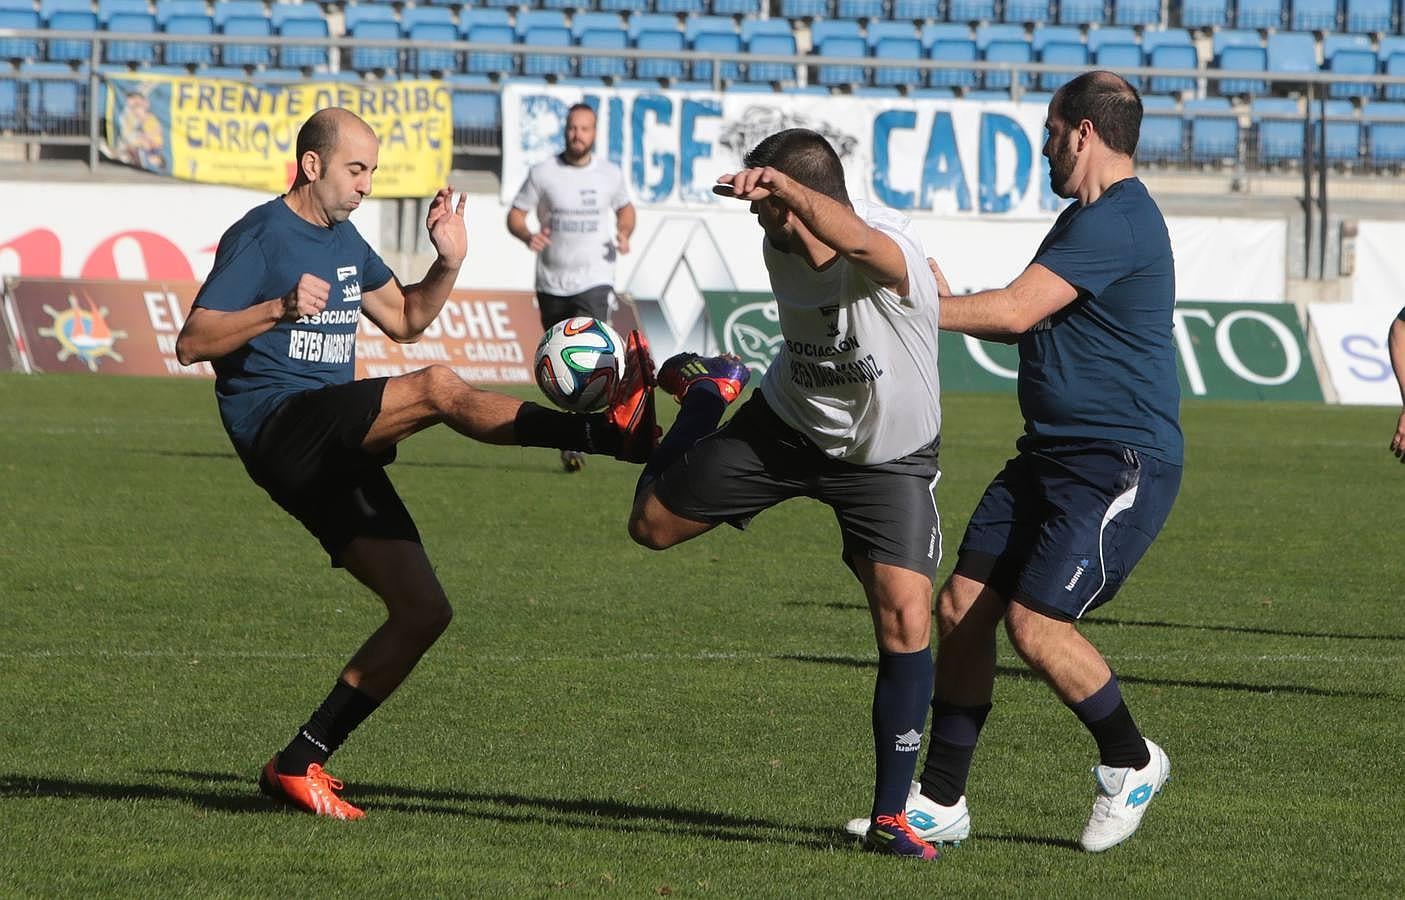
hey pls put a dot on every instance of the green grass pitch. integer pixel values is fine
(600, 719)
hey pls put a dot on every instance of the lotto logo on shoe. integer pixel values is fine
(909, 742)
(1139, 796)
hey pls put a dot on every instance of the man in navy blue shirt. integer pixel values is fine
(277, 316)
(1097, 470)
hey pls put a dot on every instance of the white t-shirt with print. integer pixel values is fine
(578, 204)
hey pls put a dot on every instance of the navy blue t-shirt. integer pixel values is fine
(261, 257)
(1104, 367)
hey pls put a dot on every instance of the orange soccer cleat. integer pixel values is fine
(314, 792)
(632, 410)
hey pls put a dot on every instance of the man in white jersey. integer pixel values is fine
(577, 197)
(848, 413)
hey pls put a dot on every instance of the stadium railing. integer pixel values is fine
(45, 103)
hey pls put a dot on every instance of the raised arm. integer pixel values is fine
(404, 312)
(836, 225)
(1396, 342)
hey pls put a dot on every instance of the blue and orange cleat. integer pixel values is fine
(632, 409)
(313, 792)
(893, 836)
(681, 372)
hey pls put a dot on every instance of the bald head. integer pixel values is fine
(320, 133)
(1107, 101)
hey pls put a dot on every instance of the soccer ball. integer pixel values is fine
(579, 363)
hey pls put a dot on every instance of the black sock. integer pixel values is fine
(344, 709)
(537, 426)
(1105, 715)
(701, 411)
(955, 731)
(899, 713)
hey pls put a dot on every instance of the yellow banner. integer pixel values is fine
(228, 132)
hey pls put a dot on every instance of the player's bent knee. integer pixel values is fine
(443, 387)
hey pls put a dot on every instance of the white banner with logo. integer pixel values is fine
(1352, 340)
(1378, 278)
(147, 231)
(953, 157)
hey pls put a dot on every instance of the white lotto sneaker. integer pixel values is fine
(934, 823)
(1122, 798)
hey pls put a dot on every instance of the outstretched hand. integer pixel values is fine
(447, 231)
(752, 184)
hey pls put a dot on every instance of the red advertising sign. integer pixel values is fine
(130, 328)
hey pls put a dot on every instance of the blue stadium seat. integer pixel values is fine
(1163, 132)
(637, 7)
(67, 49)
(822, 30)
(594, 21)
(717, 42)
(842, 47)
(1204, 13)
(55, 104)
(194, 53)
(424, 15)
(1035, 11)
(1235, 37)
(1385, 133)
(540, 18)
(48, 7)
(425, 60)
(877, 31)
(860, 9)
(1245, 59)
(1007, 51)
(1119, 58)
(774, 27)
(804, 9)
(952, 49)
(970, 10)
(477, 110)
(1097, 37)
(107, 9)
(246, 54)
(238, 9)
(546, 36)
(1343, 133)
(765, 44)
(1082, 12)
(696, 25)
(19, 48)
(1171, 56)
(1044, 35)
(1063, 54)
(1136, 12)
(988, 34)
(486, 63)
(563, 5)
(944, 31)
(664, 22)
(141, 52)
(894, 48)
(9, 104)
(1348, 61)
(1369, 15)
(917, 10)
(1290, 52)
(359, 13)
(1392, 62)
(748, 8)
(1314, 15)
(615, 38)
(302, 56)
(670, 41)
(1331, 43)
(1279, 123)
(1214, 131)
(1259, 14)
(368, 59)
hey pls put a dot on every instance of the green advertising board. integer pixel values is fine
(1227, 351)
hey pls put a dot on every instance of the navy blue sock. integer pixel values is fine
(900, 698)
(701, 411)
(955, 731)
(319, 737)
(1105, 715)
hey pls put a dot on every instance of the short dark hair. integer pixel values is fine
(1109, 102)
(577, 107)
(807, 157)
(318, 134)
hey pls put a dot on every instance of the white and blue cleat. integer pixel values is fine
(928, 819)
(1122, 798)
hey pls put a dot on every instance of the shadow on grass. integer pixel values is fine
(857, 662)
(225, 792)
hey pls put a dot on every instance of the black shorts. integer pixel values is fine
(308, 457)
(886, 512)
(1059, 530)
(593, 302)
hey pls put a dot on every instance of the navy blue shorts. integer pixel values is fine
(1060, 529)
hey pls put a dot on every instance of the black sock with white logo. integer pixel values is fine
(900, 697)
(697, 418)
(318, 738)
(537, 426)
(1105, 715)
(955, 731)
